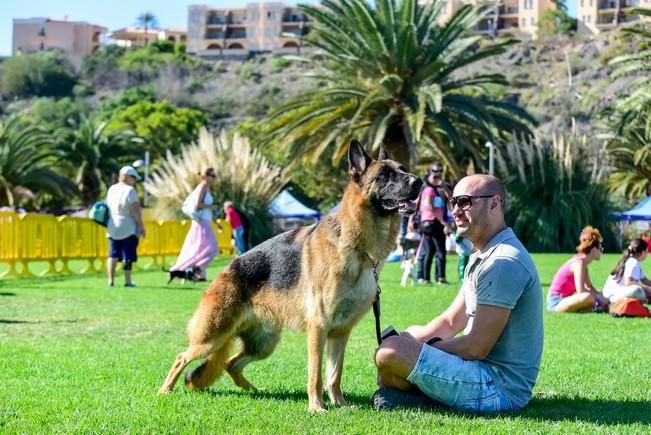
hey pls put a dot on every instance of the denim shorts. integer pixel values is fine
(124, 249)
(553, 301)
(461, 384)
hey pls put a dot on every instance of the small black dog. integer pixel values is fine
(189, 274)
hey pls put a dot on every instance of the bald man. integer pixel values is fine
(494, 364)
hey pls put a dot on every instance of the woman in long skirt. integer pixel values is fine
(200, 245)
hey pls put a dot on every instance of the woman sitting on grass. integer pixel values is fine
(571, 289)
(627, 280)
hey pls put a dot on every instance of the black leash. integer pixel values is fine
(376, 302)
(376, 306)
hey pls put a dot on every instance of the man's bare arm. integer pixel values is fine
(487, 327)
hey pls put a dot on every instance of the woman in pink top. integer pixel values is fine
(571, 289)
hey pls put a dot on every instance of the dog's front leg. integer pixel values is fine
(316, 337)
(335, 367)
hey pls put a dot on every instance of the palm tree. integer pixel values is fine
(392, 74)
(96, 154)
(629, 139)
(637, 103)
(147, 20)
(27, 155)
(629, 150)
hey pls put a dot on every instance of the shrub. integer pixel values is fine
(555, 189)
(162, 125)
(279, 63)
(41, 75)
(243, 176)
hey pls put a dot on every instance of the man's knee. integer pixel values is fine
(386, 354)
(398, 355)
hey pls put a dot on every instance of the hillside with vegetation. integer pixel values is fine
(66, 128)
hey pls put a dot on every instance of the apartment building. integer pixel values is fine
(513, 16)
(129, 37)
(237, 32)
(596, 16)
(72, 37)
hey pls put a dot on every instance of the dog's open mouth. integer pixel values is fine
(406, 207)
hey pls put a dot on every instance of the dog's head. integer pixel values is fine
(388, 185)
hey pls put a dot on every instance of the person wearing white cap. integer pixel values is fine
(125, 225)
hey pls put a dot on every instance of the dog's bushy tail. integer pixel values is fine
(210, 369)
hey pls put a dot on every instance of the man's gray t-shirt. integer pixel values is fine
(504, 275)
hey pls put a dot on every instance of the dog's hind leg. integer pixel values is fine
(192, 353)
(210, 369)
(257, 344)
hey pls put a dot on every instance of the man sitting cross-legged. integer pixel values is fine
(493, 366)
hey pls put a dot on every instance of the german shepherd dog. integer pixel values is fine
(318, 278)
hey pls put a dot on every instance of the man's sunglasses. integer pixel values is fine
(464, 202)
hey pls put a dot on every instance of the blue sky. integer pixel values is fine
(113, 15)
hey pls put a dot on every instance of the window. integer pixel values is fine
(196, 17)
(582, 3)
(194, 34)
(532, 21)
(589, 18)
(524, 22)
(590, 3)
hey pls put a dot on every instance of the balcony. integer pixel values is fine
(214, 35)
(508, 10)
(607, 22)
(608, 5)
(294, 18)
(216, 21)
(236, 35)
(293, 32)
(627, 4)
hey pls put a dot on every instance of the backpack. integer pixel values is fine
(189, 206)
(629, 307)
(100, 213)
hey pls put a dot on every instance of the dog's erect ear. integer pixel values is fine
(358, 160)
(384, 155)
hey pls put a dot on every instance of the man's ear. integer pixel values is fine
(384, 155)
(358, 160)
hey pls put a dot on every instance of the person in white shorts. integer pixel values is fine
(627, 280)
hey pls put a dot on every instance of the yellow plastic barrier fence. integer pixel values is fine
(30, 237)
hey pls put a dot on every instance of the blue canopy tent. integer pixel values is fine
(641, 212)
(288, 212)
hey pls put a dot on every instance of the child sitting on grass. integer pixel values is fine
(627, 280)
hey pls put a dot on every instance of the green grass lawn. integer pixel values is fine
(78, 357)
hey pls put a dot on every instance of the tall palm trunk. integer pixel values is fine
(397, 145)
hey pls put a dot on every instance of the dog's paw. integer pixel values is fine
(317, 407)
(164, 391)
